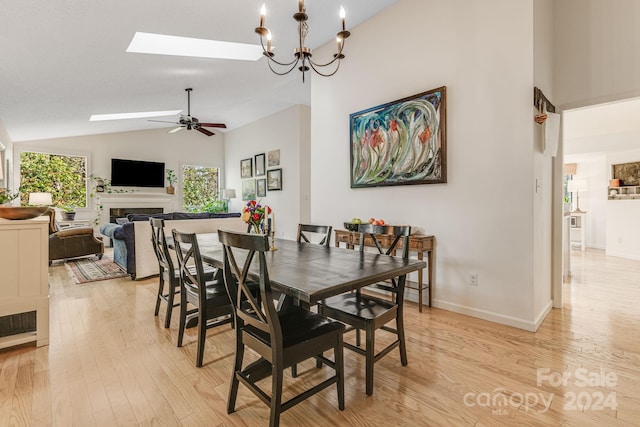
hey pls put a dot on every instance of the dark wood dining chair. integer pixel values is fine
(168, 273)
(282, 338)
(372, 312)
(213, 307)
(307, 230)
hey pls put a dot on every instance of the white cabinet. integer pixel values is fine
(578, 225)
(24, 284)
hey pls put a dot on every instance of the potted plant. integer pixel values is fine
(171, 179)
(6, 197)
(68, 213)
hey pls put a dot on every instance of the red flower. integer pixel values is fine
(268, 209)
(253, 203)
(256, 217)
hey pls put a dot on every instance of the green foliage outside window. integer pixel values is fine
(65, 177)
(200, 189)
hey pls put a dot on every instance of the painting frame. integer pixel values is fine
(246, 168)
(274, 179)
(273, 158)
(402, 142)
(248, 189)
(261, 187)
(260, 162)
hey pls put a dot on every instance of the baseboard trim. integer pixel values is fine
(527, 325)
(622, 255)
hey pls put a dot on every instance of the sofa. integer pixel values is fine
(132, 247)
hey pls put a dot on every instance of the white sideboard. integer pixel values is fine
(24, 280)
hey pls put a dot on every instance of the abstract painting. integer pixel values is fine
(400, 143)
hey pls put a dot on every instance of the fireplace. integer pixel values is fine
(115, 213)
(119, 205)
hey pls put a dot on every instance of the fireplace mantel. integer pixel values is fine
(133, 200)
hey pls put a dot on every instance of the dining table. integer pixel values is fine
(307, 273)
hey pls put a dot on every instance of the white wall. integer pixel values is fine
(287, 131)
(8, 153)
(151, 145)
(622, 226)
(542, 163)
(483, 217)
(597, 46)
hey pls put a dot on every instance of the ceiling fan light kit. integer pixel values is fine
(302, 54)
(189, 122)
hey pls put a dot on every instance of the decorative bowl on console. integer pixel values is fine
(22, 212)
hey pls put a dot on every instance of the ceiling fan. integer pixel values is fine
(189, 122)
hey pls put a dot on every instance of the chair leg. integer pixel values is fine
(370, 353)
(276, 394)
(159, 297)
(183, 318)
(202, 336)
(170, 298)
(339, 363)
(233, 387)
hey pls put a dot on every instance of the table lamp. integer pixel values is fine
(40, 199)
(227, 194)
(576, 185)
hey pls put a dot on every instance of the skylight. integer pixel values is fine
(121, 116)
(160, 44)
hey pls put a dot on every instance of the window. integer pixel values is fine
(200, 189)
(64, 176)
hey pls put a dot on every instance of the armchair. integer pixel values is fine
(71, 242)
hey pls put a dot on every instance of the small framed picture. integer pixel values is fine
(261, 188)
(260, 160)
(273, 158)
(274, 179)
(248, 189)
(246, 168)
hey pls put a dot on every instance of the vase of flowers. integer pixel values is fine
(254, 214)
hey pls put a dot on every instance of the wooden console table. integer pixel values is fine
(417, 243)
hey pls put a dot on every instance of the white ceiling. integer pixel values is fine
(63, 60)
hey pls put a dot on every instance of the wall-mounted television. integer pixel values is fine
(136, 173)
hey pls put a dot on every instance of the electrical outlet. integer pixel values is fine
(473, 279)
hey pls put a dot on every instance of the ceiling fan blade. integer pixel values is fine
(163, 121)
(214, 125)
(206, 132)
(174, 130)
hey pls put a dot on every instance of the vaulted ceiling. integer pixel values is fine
(63, 60)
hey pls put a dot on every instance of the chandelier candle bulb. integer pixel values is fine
(269, 42)
(342, 16)
(300, 6)
(263, 14)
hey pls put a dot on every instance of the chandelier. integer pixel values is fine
(302, 54)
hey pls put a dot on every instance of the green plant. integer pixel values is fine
(68, 208)
(6, 197)
(171, 177)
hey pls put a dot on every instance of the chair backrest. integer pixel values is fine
(324, 230)
(259, 311)
(400, 233)
(190, 263)
(159, 241)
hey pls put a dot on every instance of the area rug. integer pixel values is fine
(87, 270)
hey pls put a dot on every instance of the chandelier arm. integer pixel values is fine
(282, 73)
(313, 66)
(270, 56)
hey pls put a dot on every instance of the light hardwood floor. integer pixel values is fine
(110, 362)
